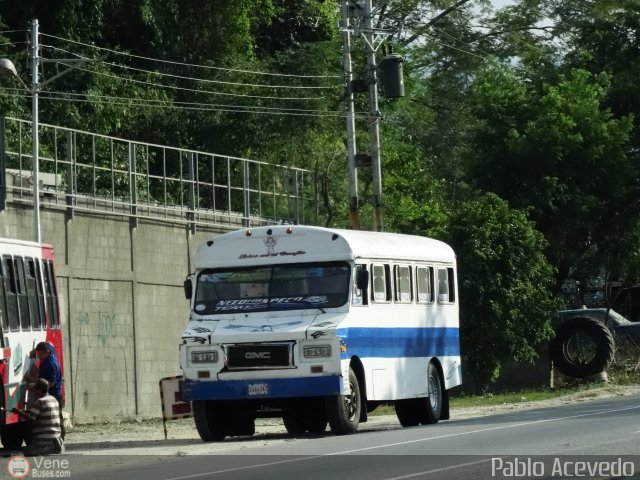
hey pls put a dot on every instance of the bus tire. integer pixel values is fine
(427, 410)
(294, 424)
(317, 423)
(408, 411)
(435, 400)
(297, 424)
(343, 411)
(210, 421)
(12, 436)
(305, 415)
(569, 354)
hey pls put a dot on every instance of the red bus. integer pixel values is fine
(29, 314)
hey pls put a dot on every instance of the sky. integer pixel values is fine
(502, 3)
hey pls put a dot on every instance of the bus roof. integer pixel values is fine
(24, 243)
(301, 244)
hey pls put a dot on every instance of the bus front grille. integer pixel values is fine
(251, 356)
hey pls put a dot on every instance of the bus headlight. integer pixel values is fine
(316, 351)
(204, 356)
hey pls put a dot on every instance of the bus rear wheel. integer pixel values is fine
(343, 411)
(433, 409)
(424, 410)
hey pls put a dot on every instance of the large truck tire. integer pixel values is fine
(582, 347)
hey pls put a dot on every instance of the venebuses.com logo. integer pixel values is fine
(38, 467)
(18, 467)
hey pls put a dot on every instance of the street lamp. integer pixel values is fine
(7, 67)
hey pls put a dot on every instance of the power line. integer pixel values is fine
(221, 82)
(461, 41)
(202, 107)
(208, 67)
(437, 40)
(151, 101)
(206, 109)
(203, 80)
(298, 98)
(185, 89)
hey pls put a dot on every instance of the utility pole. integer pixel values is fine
(374, 116)
(394, 88)
(354, 208)
(35, 128)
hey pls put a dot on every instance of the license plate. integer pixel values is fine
(258, 388)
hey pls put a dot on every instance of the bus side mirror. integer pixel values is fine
(362, 282)
(188, 288)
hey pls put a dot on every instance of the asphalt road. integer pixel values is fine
(603, 436)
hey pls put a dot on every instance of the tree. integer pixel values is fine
(504, 283)
(553, 149)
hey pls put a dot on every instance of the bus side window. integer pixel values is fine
(31, 284)
(23, 299)
(11, 292)
(403, 283)
(4, 314)
(381, 290)
(51, 294)
(424, 279)
(446, 290)
(358, 296)
(40, 291)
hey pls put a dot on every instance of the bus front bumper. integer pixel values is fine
(261, 388)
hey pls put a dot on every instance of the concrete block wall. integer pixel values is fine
(122, 304)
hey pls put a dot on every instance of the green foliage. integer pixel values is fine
(554, 150)
(504, 283)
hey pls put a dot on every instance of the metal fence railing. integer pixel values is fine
(86, 171)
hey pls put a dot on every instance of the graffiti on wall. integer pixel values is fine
(99, 330)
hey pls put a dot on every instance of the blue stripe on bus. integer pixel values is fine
(400, 342)
(276, 387)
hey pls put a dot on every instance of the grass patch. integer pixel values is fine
(625, 369)
(461, 400)
(489, 399)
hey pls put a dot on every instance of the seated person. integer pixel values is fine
(44, 414)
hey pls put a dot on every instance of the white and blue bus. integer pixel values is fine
(319, 326)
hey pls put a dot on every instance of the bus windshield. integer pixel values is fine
(273, 287)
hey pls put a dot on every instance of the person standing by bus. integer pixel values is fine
(44, 413)
(49, 368)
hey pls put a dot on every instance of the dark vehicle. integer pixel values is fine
(586, 339)
(626, 301)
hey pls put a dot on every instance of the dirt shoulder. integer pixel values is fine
(146, 436)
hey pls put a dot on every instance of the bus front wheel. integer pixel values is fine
(12, 436)
(343, 411)
(210, 421)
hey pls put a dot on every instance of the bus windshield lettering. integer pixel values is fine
(290, 286)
